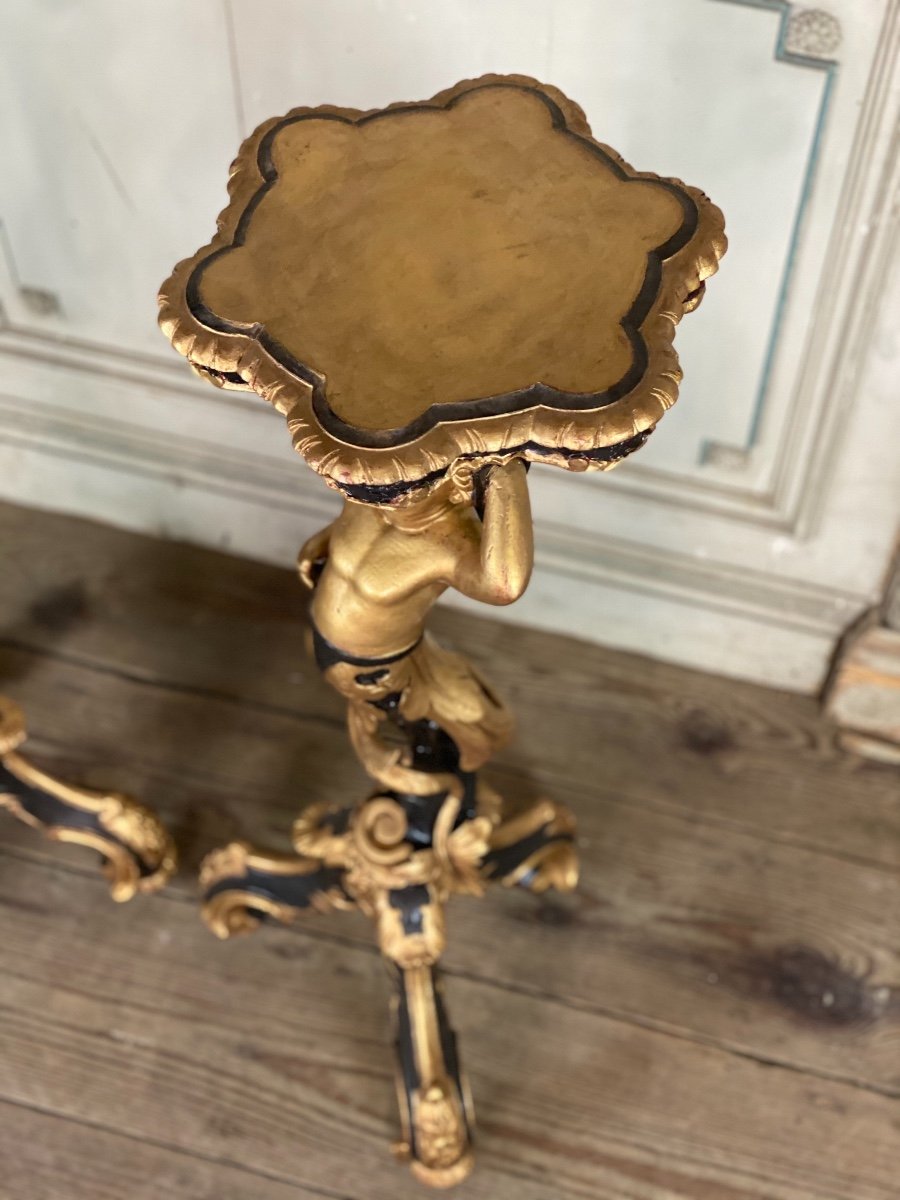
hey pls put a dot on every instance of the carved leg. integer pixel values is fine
(138, 853)
(435, 1104)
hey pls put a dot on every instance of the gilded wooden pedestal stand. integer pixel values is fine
(434, 295)
(137, 852)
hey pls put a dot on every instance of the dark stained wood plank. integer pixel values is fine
(712, 932)
(695, 919)
(47, 1157)
(616, 724)
(271, 1054)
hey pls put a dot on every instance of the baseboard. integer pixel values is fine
(713, 616)
(863, 693)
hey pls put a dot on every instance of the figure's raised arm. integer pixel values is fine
(498, 569)
(313, 556)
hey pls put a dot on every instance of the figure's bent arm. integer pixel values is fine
(499, 574)
(313, 554)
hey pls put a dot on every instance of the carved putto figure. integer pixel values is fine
(435, 295)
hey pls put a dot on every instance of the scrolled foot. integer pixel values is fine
(242, 887)
(535, 850)
(138, 852)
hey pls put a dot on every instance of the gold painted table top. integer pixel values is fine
(470, 275)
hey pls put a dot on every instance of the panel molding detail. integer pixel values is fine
(859, 246)
(859, 251)
(291, 487)
(266, 507)
(731, 564)
(806, 38)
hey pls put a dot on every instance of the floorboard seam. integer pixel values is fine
(316, 1189)
(505, 765)
(283, 1180)
(166, 685)
(161, 1144)
(707, 820)
(451, 972)
(761, 1060)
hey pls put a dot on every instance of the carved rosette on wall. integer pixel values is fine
(138, 853)
(434, 295)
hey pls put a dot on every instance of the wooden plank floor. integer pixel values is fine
(715, 1015)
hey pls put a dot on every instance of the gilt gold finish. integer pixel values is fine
(435, 295)
(138, 853)
(469, 275)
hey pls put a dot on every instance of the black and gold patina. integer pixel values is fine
(434, 295)
(137, 852)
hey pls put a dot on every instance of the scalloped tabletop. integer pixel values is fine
(473, 274)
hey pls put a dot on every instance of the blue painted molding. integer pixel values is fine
(830, 68)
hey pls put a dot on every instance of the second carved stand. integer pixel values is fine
(434, 295)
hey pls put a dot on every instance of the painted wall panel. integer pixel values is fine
(767, 500)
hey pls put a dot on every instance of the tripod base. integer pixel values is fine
(399, 858)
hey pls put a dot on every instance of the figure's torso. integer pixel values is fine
(380, 580)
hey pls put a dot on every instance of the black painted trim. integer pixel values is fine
(328, 655)
(52, 813)
(386, 493)
(524, 398)
(294, 890)
(499, 863)
(406, 1060)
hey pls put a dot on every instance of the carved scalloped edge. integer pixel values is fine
(540, 433)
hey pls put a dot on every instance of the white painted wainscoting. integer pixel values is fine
(756, 524)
